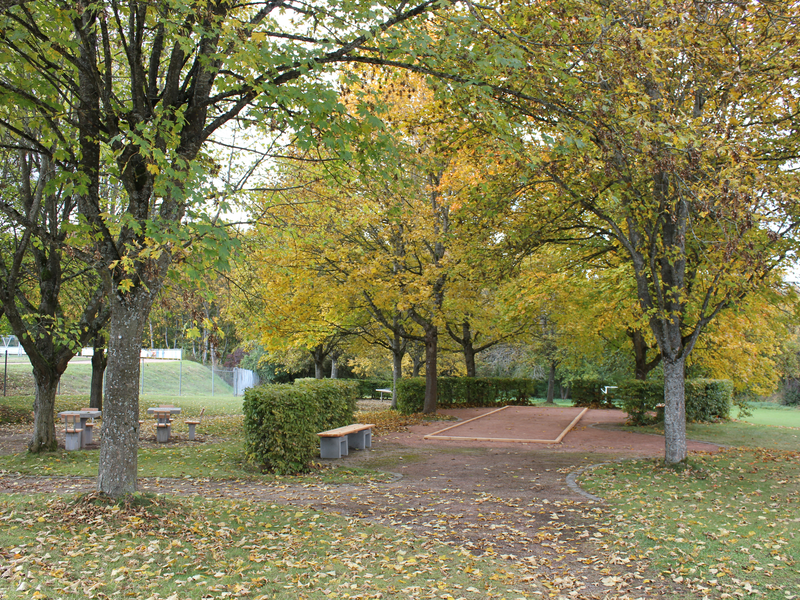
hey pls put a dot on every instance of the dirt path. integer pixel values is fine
(517, 501)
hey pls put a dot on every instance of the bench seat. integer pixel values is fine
(335, 443)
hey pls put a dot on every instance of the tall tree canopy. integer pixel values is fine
(669, 129)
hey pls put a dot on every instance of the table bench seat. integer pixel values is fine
(335, 443)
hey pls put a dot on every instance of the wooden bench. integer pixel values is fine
(74, 432)
(194, 423)
(335, 443)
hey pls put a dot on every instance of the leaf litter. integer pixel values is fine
(652, 538)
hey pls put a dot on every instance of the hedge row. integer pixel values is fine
(281, 421)
(706, 400)
(460, 392)
(367, 387)
(589, 392)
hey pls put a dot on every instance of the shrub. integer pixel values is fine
(367, 387)
(639, 400)
(705, 400)
(791, 393)
(281, 421)
(708, 399)
(462, 392)
(589, 392)
(335, 400)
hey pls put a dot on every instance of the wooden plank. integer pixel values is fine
(571, 425)
(460, 423)
(436, 436)
(482, 439)
(347, 429)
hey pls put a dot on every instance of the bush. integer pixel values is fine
(589, 392)
(463, 392)
(367, 387)
(639, 400)
(281, 421)
(706, 400)
(791, 393)
(335, 399)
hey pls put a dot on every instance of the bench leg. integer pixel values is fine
(332, 447)
(73, 440)
(162, 433)
(191, 430)
(357, 440)
(88, 429)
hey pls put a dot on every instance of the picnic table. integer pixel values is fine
(383, 391)
(78, 435)
(163, 415)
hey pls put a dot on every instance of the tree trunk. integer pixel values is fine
(334, 368)
(119, 450)
(640, 348)
(431, 383)
(469, 360)
(318, 353)
(397, 371)
(44, 429)
(99, 362)
(551, 384)
(417, 362)
(674, 411)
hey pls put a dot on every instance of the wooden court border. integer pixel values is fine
(436, 436)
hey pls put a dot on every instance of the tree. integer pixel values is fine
(671, 130)
(40, 276)
(149, 85)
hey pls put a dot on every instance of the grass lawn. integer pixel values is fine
(157, 378)
(159, 547)
(773, 428)
(775, 414)
(726, 526)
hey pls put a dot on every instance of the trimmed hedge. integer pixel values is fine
(336, 401)
(639, 400)
(463, 392)
(281, 421)
(588, 392)
(706, 400)
(367, 387)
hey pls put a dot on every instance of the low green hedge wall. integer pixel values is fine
(706, 400)
(639, 400)
(281, 421)
(336, 400)
(367, 387)
(462, 392)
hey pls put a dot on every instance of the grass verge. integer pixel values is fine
(777, 415)
(736, 434)
(157, 547)
(725, 525)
